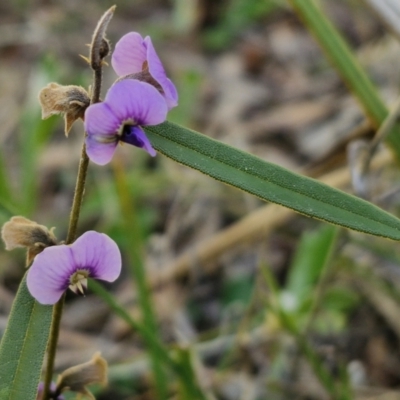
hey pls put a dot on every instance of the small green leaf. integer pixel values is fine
(23, 346)
(271, 182)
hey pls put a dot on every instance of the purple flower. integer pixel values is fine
(134, 55)
(128, 104)
(58, 268)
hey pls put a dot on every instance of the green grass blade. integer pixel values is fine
(311, 257)
(23, 346)
(290, 325)
(188, 389)
(185, 375)
(271, 182)
(133, 233)
(347, 66)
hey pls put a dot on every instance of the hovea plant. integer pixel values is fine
(133, 111)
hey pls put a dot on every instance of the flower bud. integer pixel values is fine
(105, 48)
(22, 232)
(76, 378)
(71, 101)
(100, 47)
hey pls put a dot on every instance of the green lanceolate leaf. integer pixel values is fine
(271, 182)
(23, 346)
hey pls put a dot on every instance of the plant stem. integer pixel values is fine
(137, 269)
(164, 354)
(96, 64)
(52, 345)
(78, 196)
(58, 307)
(287, 321)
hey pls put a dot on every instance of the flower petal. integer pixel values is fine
(48, 277)
(171, 94)
(99, 150)
(129, 54)
(99, 254)
(135, 135)
(100, 120)
(101, 125)
(139, 101)
(157, 71)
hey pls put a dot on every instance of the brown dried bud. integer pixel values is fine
(100, 47)
(22, 232)
(76, 378)
(71, 100)
(105, 48)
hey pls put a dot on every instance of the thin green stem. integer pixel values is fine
(336, 391)
(288, 322)
(140, 328)
(137, 269)
(58, 307)
(78, 196)
(96, 64)
(312, 357)
(52, 345)
(184, 373)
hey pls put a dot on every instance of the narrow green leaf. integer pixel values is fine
(23, 346)
(347, 66)
(271, 182)
(186, 358)
(312, 254)
(133, 231)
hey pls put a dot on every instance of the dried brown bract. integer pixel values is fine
(70, 100)
(100, 47)
(76, 378)
(22, 232)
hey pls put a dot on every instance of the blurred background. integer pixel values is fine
(255, 301)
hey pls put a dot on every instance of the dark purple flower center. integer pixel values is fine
(143, 76)
(130, 136)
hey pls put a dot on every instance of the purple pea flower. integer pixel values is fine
(128, 104)
(58, 268)
(135, 57)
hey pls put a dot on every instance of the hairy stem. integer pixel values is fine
(96, 62)
(58, 307)
(78, 196)
(52, 345)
